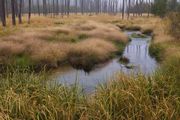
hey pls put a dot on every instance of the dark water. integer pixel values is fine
(137, 51)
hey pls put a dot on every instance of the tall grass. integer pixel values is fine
(157, 51)
(26, 95)
(135, 98)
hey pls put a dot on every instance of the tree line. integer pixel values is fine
(17, 8)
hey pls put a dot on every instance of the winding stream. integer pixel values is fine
(137, 51)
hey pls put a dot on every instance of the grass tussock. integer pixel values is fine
(53, 46)
(82, 58)
(157, 51)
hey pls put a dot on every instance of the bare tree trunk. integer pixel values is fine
(62, 8)
(7, 8)
(2, 12)
(44, 7)
(13, 12)
(123, 9)
(57, 7)
(129, 6)
(149, 8)
(20, 10)
(76, 6)
(82, 7)
(16, 8)
(29, 12)
(38, 8)
(68, 7)
(53, 8)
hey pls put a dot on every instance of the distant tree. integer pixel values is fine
(82, 7)
(29, 12)
(172, 5)
(38, 7)
(7, 8)
(57, 7)
(20, 12)
(2, 12)
(159, 7)
(44, 7)
(123, 9)
(13, 12)
(129, 7)
(76, 6)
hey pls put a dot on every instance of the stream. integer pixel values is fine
(137, 51)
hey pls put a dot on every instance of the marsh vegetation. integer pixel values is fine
(79, 60)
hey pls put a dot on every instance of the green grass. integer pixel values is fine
(170, 69)
(120, 46)
(4, 31)
(22, 60)
(26, 95)
(157, 51)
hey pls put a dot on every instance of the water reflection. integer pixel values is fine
(137, 51)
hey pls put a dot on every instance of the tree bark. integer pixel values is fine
(123, 9)
(20, 10)
(13, 12)
(2, 12)
(29, 12)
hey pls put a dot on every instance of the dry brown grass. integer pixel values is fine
(52, 40)
(51, 44)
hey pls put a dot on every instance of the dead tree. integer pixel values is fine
(38, 8)
(13, 12)
(2, 12)
(29, 12)
(129, 7)
(20, 12)
(123, 9)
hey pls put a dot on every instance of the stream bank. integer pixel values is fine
(139, 61)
